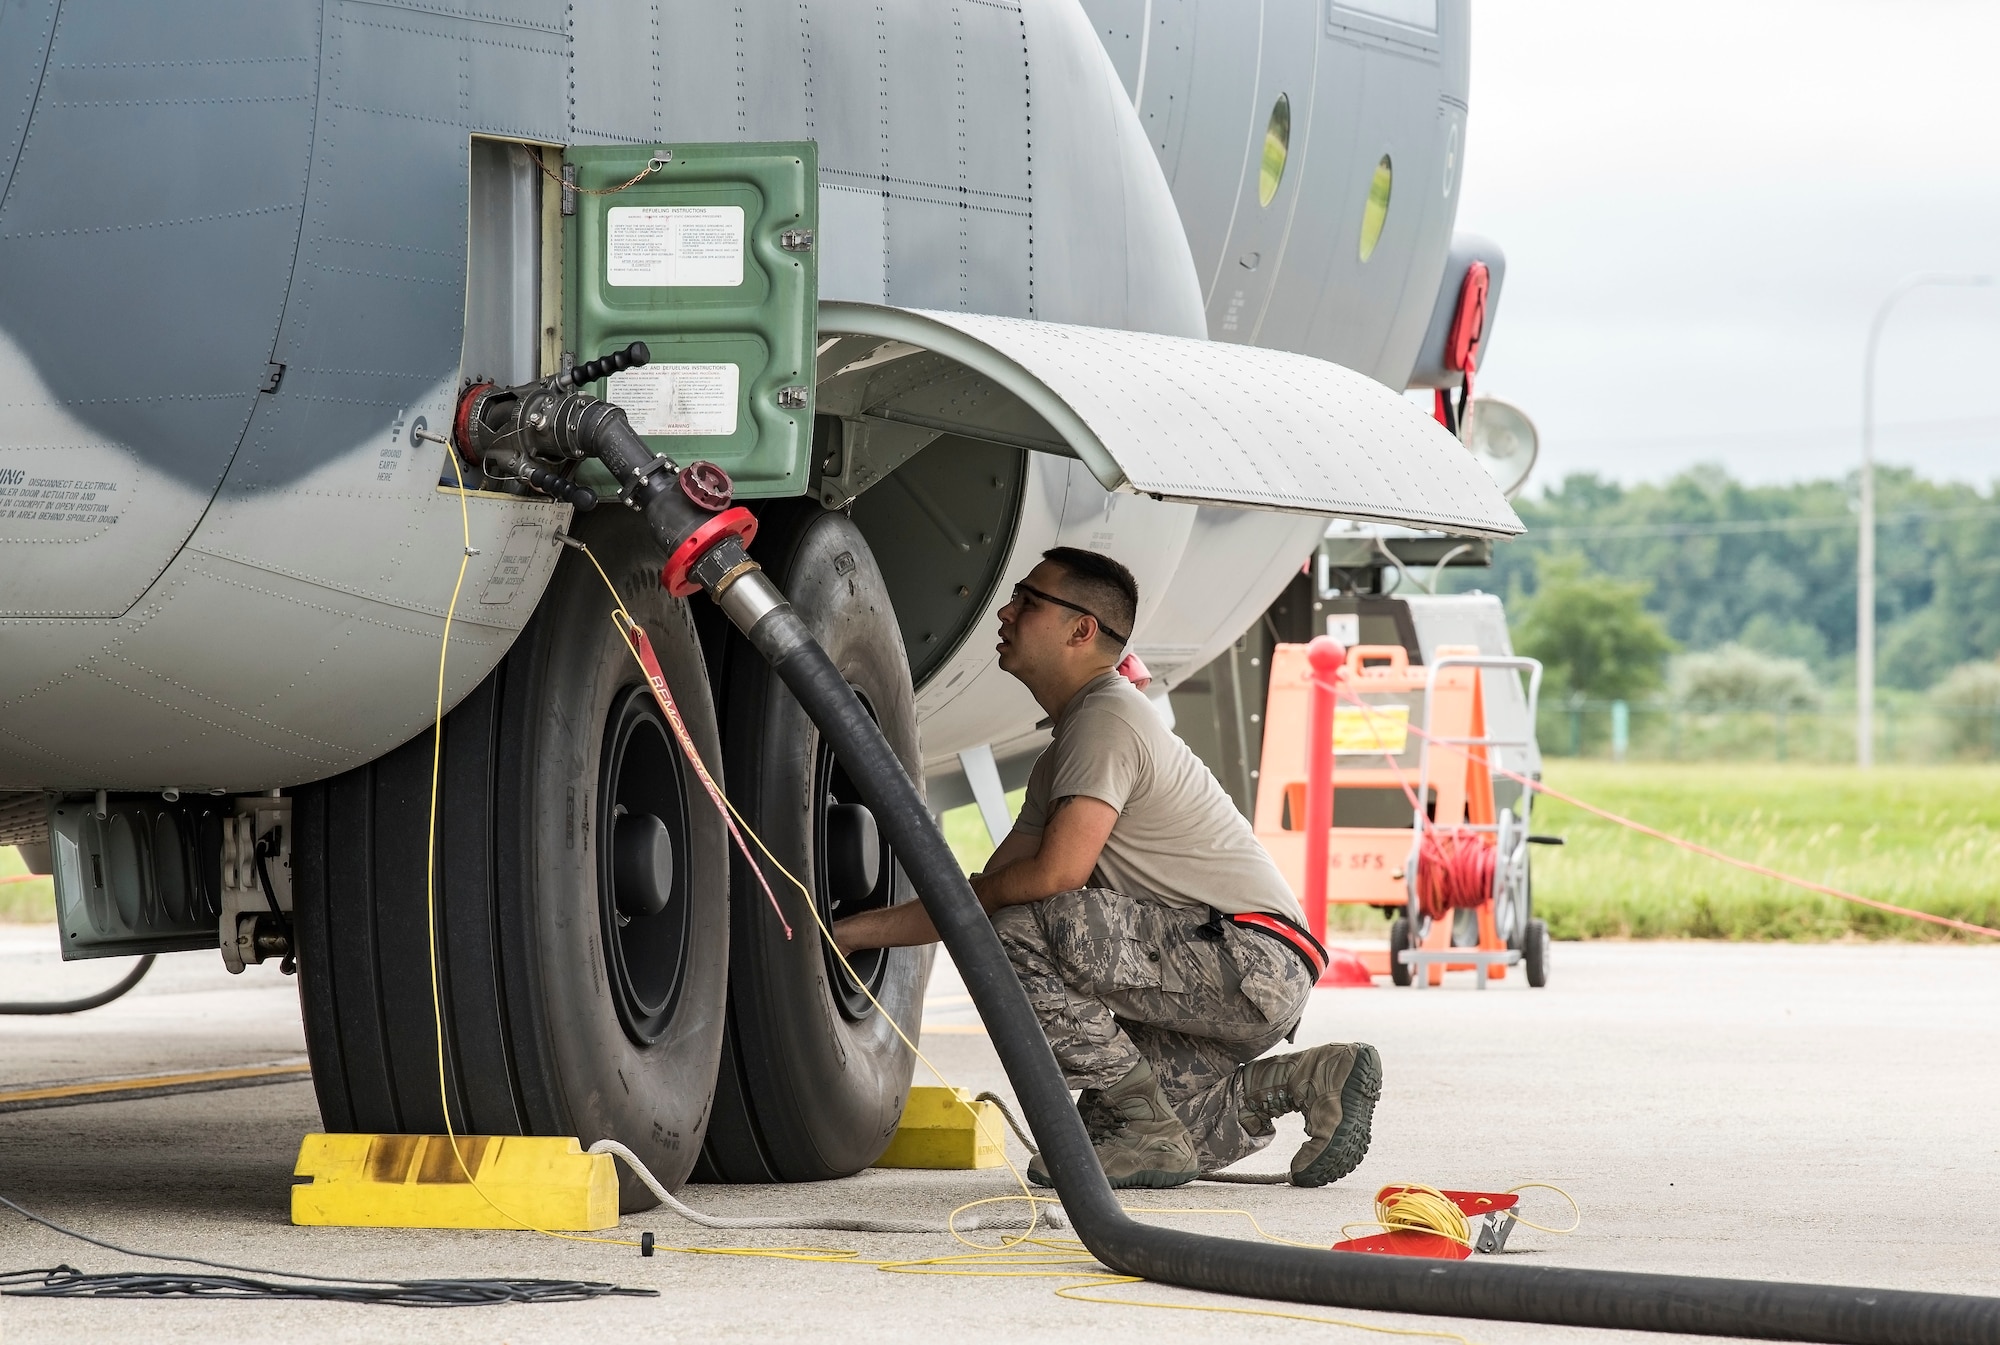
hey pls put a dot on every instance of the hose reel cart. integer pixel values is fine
(1418, 827)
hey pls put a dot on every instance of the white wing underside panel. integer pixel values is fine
(1203, 422)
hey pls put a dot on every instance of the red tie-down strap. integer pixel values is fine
(1309, 948)
(642, 649)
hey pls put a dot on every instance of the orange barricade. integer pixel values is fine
(1378, 765)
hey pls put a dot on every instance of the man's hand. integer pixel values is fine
(1024, 869)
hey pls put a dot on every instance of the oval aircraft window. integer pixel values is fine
(1277, 143)
(1376, 213)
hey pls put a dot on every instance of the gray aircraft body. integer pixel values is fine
(1146, 276)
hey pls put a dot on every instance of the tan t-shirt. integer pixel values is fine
(1177, 837)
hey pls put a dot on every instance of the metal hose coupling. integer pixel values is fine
(537, 431)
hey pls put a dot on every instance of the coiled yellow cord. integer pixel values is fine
(1426, 1209)
(1417, 1207)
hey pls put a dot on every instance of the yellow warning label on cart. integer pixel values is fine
(1373, 728)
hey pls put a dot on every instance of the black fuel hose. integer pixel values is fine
(96, 1001)
(1624, 1300)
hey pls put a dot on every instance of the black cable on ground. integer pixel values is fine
(69, 1282)
(252, 1282)
(96, 1001)
(1614, 1299)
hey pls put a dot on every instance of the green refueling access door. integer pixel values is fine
(709, 259)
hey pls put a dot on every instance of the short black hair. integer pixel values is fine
(1105, 587)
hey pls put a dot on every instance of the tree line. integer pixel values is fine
(1614, 579)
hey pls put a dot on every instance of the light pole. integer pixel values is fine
(1864, 561)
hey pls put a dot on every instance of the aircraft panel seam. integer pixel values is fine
(383, 275)
(919, 182)
(1028, 106)
(464, 617)
(1243, 169)
(457, 123)
(967, 206)
(449, 254)
(28, 111)
(346, 612)
(210, 700)
(148, 224)
(449, 36)
(964, 155)
(187, 713)
(467, 15)
(184, 65)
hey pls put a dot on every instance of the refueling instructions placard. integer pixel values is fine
(674, 245)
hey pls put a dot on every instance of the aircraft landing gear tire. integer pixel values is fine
(813, 1078)
(582, 909)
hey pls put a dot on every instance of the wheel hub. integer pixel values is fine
(642, 865)
(853, 871)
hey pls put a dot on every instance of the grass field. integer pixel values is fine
(1927, 837)
(29, 902)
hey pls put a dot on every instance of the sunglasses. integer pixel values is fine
(1023, 592)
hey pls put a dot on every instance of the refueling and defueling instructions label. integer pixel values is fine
(674, 245)
(677, 398)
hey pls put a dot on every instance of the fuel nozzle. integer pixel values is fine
(530, 432)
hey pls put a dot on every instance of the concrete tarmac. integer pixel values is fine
(1812, 1113)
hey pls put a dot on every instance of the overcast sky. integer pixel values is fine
(1701, 205)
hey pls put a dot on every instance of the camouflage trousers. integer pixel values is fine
(1114, 978)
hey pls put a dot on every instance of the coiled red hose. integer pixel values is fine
(1454, 871)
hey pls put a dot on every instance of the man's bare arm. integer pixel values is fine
(1014, 847)
(1024, 869)
(1077, 829)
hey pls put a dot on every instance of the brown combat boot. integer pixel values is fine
(1336, 1086)
(1098, 1119)
(1149, 1146)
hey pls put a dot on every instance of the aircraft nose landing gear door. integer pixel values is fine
(707, 254)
